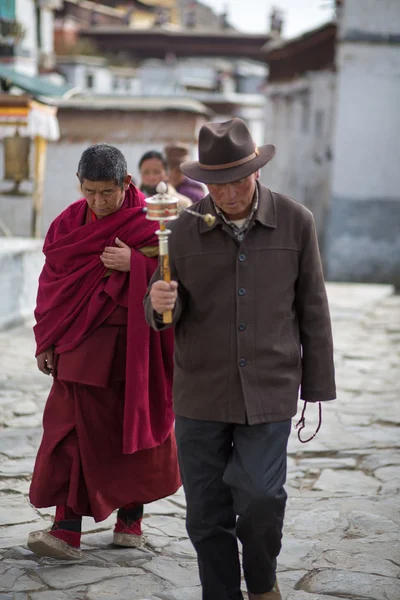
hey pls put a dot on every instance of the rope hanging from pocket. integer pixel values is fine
(302, 423)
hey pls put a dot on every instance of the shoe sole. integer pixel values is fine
(128, 540)
(45, 544)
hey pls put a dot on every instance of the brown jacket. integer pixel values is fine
(252, 320)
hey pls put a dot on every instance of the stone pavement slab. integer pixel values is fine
(342, 528)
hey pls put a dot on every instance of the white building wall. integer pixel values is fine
(371, 17)
(102, 80)
(21, 261)
(61, 184)
(47, 31)
(298, 121)
(367, 141)
(364, 232)
(26, 15)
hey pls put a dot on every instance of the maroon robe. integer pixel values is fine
(108, 426)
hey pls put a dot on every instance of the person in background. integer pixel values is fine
(176, 153)
(108, 441)
(252, 329)
(153, 169)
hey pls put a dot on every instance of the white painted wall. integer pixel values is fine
(103, 79)
(29, 52)
(367, 140)
(364, 233)
(299, 122)
(21, 261)
(25, 14)
(47, 31)
(370, 16)
(61, 184)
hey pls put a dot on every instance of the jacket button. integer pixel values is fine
(242, 257)
(242, 362)
(241, 291)
(242, 327)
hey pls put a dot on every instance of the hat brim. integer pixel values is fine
(192, 168)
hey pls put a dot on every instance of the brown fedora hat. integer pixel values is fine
(226, 153)
(176, 152)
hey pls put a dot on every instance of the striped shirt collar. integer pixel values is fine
(240, 231)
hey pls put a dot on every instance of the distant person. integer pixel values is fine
(177, 153)
(153, 169)
(108, 442)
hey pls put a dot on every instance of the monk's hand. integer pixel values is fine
(45, 361)
(163, 296)
(118, 259)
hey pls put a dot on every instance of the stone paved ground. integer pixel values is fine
(342, 525)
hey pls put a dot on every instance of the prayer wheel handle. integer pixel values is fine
(163, 207)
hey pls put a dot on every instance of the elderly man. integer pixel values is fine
(252, 326)
(108, 441)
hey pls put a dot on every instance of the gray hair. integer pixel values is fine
(102, 162)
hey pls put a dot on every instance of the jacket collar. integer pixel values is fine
(265, 213)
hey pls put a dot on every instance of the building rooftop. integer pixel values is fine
(38, 87)
(159, 42)
(311, 51)
(135, 103)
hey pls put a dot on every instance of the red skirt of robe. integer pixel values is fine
(80, 463)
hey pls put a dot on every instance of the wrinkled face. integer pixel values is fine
(234, 199)
(152, 171)
(104, 197)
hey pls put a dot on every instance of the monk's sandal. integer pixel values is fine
(128, 534)
(43, 543)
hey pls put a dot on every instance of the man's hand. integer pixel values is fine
(118, 259)
(45, 361)
(163, 296)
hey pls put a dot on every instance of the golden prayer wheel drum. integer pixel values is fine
(16, 158)
(162, 206)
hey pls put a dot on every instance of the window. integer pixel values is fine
(89, 80)
(7, 9)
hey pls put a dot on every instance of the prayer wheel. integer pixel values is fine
(162, 207)
(16, 159)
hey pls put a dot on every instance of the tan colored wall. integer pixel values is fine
(123, 126)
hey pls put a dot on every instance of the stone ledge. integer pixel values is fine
(21, 261)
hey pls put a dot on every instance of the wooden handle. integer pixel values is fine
(166, 276)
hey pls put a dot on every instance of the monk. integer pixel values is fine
(108, 440)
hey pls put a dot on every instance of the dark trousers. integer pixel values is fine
(233, 476)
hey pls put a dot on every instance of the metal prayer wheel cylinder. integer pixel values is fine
(16, 158)
(162, 206)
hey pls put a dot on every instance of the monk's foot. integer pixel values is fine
(54, 544)
(128, 534)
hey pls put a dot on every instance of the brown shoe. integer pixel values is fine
(43, 543)
(274, 594)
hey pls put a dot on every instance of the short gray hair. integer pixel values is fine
(102, 162)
